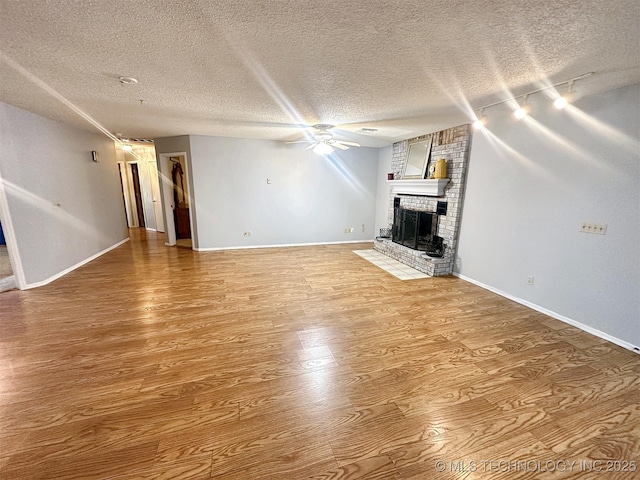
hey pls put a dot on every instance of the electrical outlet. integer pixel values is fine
(351, 230)
(247, 234)
(595, 228)
(530, 279)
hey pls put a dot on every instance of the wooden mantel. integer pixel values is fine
(427, 188)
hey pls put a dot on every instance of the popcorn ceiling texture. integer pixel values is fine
(252, 68)
(453, 145)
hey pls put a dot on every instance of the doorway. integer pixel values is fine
(180, 201)
(7, 278)
(176, 200)
(137, 193)
(140, 185)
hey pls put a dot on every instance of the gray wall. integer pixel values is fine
(63, 207)
(382, 199)
(311, 198)
(530, 186)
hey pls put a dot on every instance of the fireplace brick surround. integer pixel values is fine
(453, 145)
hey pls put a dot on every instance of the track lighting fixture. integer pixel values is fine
(560, 102)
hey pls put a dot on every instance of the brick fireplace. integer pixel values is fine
(453, 145)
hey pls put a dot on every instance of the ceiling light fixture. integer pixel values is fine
(560, 102)
(128, 80)
(127, 148)
(323, 148)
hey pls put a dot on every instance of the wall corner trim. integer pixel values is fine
(552, 314)
(73, 267)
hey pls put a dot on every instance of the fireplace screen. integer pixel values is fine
(413, 228)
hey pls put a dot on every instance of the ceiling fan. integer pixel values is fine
(322, 141)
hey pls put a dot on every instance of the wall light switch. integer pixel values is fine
(268, 181)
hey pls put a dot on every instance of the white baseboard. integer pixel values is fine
(557, 316)
(215, 249)
(73, 267)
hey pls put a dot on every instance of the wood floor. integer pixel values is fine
(156, 362)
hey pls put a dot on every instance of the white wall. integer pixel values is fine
(63, 207)
(382, 198)
(311, 198)
(531, 184)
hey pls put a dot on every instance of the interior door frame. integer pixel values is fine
(166, 194)
(10, 238)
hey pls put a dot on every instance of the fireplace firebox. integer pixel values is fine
(414, 228)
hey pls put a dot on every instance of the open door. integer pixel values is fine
(155, 195)
(176, 198)
(180, 200)
(137, 194)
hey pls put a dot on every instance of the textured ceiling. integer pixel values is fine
(259, 68)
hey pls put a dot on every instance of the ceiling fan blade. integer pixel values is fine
(302, 141)
(312, 145)
(351, 144)
(338, 145)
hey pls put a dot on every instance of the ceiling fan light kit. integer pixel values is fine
(323, 143)
(323, 148)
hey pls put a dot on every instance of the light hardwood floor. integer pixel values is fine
(156, 362)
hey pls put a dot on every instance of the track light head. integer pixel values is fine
(560, 102)
(480, 121)
(523, 110)
(520, 113)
